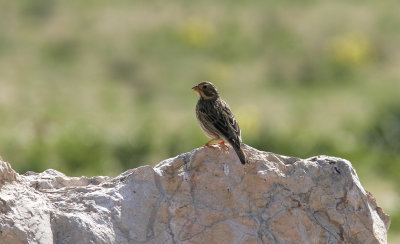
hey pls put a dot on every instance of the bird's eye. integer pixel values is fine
(204, 87)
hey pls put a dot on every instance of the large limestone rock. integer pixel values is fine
(203, 196)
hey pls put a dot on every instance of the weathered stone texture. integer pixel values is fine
(203, 196)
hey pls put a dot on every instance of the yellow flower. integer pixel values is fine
(350, 48)
(197, 32)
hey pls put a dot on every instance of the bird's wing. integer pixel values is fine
(231, 119)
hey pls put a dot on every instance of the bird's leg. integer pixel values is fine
(208, 143)
(222, 143)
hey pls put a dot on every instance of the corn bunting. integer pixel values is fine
(216, 118)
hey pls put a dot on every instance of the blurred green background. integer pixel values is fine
(98, 87)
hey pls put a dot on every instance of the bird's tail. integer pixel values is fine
(240, 154)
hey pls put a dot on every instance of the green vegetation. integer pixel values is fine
(98, 87)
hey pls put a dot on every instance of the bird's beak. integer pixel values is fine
(195, 88)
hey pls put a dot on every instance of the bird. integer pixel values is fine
(216, 118)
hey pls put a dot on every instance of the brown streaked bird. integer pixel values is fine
(216, 118)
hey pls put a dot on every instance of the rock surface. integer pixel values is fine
(203, 196)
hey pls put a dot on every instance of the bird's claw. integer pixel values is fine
(217, 145)
(223, 145)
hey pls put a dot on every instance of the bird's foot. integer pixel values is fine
(208, 143)
(223, 145)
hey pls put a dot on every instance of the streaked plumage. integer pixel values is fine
(216, 118)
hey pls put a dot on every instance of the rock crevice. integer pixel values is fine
(203, 196)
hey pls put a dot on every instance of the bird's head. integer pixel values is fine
(206, 90)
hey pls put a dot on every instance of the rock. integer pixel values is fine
(203, 196)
